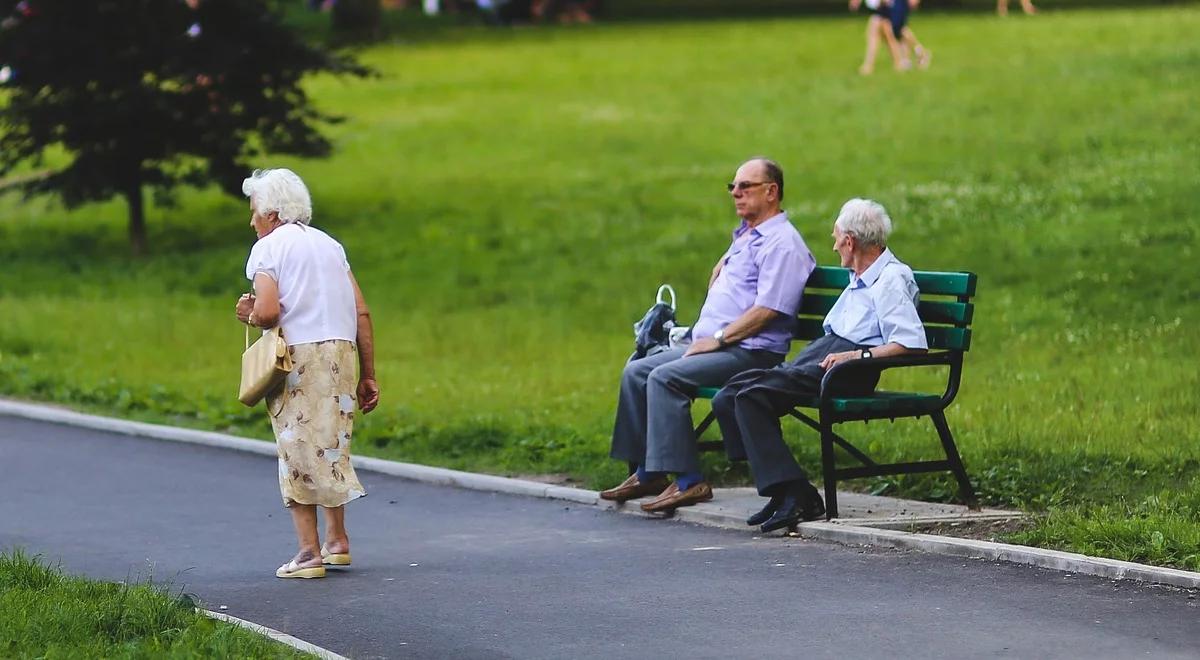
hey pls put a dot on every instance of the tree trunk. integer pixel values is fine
(137, 220)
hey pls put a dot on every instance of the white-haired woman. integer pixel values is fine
(303, 284)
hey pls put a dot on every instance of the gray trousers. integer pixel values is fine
(748, 409)
(654, 409)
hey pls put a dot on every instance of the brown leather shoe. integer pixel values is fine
(631, 489)
(673, 498)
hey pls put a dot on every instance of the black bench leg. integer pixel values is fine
(956, 466)
(705, 423)
(827, 470)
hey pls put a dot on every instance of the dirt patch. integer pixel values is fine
(979, 530)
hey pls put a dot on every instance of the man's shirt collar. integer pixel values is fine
(872, 273)
(768, 226)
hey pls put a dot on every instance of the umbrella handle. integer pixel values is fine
(659, 298)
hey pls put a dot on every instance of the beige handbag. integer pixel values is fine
(264, 366)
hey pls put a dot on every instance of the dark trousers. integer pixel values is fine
(748, 409)
(653, 427)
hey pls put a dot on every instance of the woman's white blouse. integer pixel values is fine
(316, 298)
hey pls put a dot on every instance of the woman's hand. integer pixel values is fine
(245, 305)
(368, 394)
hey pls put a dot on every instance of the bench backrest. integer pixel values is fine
(945, 306)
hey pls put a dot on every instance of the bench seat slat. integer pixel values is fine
(938, 311)
(939, 337)
(945, 283)
(930, 311)
(936, 283)
(880, 401)
(828, 277)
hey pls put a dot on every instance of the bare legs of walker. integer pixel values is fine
(875, 31)
(924, 57)
(902, 50)
(1026, 6)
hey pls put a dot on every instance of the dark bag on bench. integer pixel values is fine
(653, 333)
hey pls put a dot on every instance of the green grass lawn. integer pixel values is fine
(510, 200)
(47, 614)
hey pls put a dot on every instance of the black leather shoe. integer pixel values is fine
(767, 511)
(794, 509)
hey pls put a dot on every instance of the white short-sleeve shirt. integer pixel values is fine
(879, 307)
(316, 298)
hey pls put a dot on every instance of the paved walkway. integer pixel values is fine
(449, 573)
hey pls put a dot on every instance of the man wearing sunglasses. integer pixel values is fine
(745, 323)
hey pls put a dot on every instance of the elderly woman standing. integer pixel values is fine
(303, 284)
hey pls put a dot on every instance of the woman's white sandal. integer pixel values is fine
(292, 570)
(334, 558)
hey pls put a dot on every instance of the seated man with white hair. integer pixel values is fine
(875, 317)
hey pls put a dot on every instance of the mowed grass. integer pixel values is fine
(45, 613)
(510, 200)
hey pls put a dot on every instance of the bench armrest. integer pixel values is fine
(841, 371)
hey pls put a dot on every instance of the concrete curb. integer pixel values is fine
(712, 516)
(1054, 559)
(45, 413)
(271, 633)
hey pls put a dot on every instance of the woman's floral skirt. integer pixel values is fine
(313, 417)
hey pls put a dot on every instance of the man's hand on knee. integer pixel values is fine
(703, 345)
(838, 358)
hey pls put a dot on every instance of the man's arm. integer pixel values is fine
(748, 324)
(887, 350)
(368, 389)
(898, 320)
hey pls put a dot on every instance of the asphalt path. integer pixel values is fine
(447, 573)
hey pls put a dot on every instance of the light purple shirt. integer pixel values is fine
(767, 266)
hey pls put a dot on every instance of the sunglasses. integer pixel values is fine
(743, 186)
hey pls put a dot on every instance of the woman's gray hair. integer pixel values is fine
(866, 220)
(282, 191)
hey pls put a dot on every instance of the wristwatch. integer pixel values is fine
(866, 354)
(719, 335)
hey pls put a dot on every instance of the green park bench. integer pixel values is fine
(947, 321)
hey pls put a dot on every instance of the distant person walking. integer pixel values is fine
(877, 18)
(303, 284)
(1026, 6)
(904, 40)
(889, 21)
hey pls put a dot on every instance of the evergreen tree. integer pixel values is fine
(151, 94)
